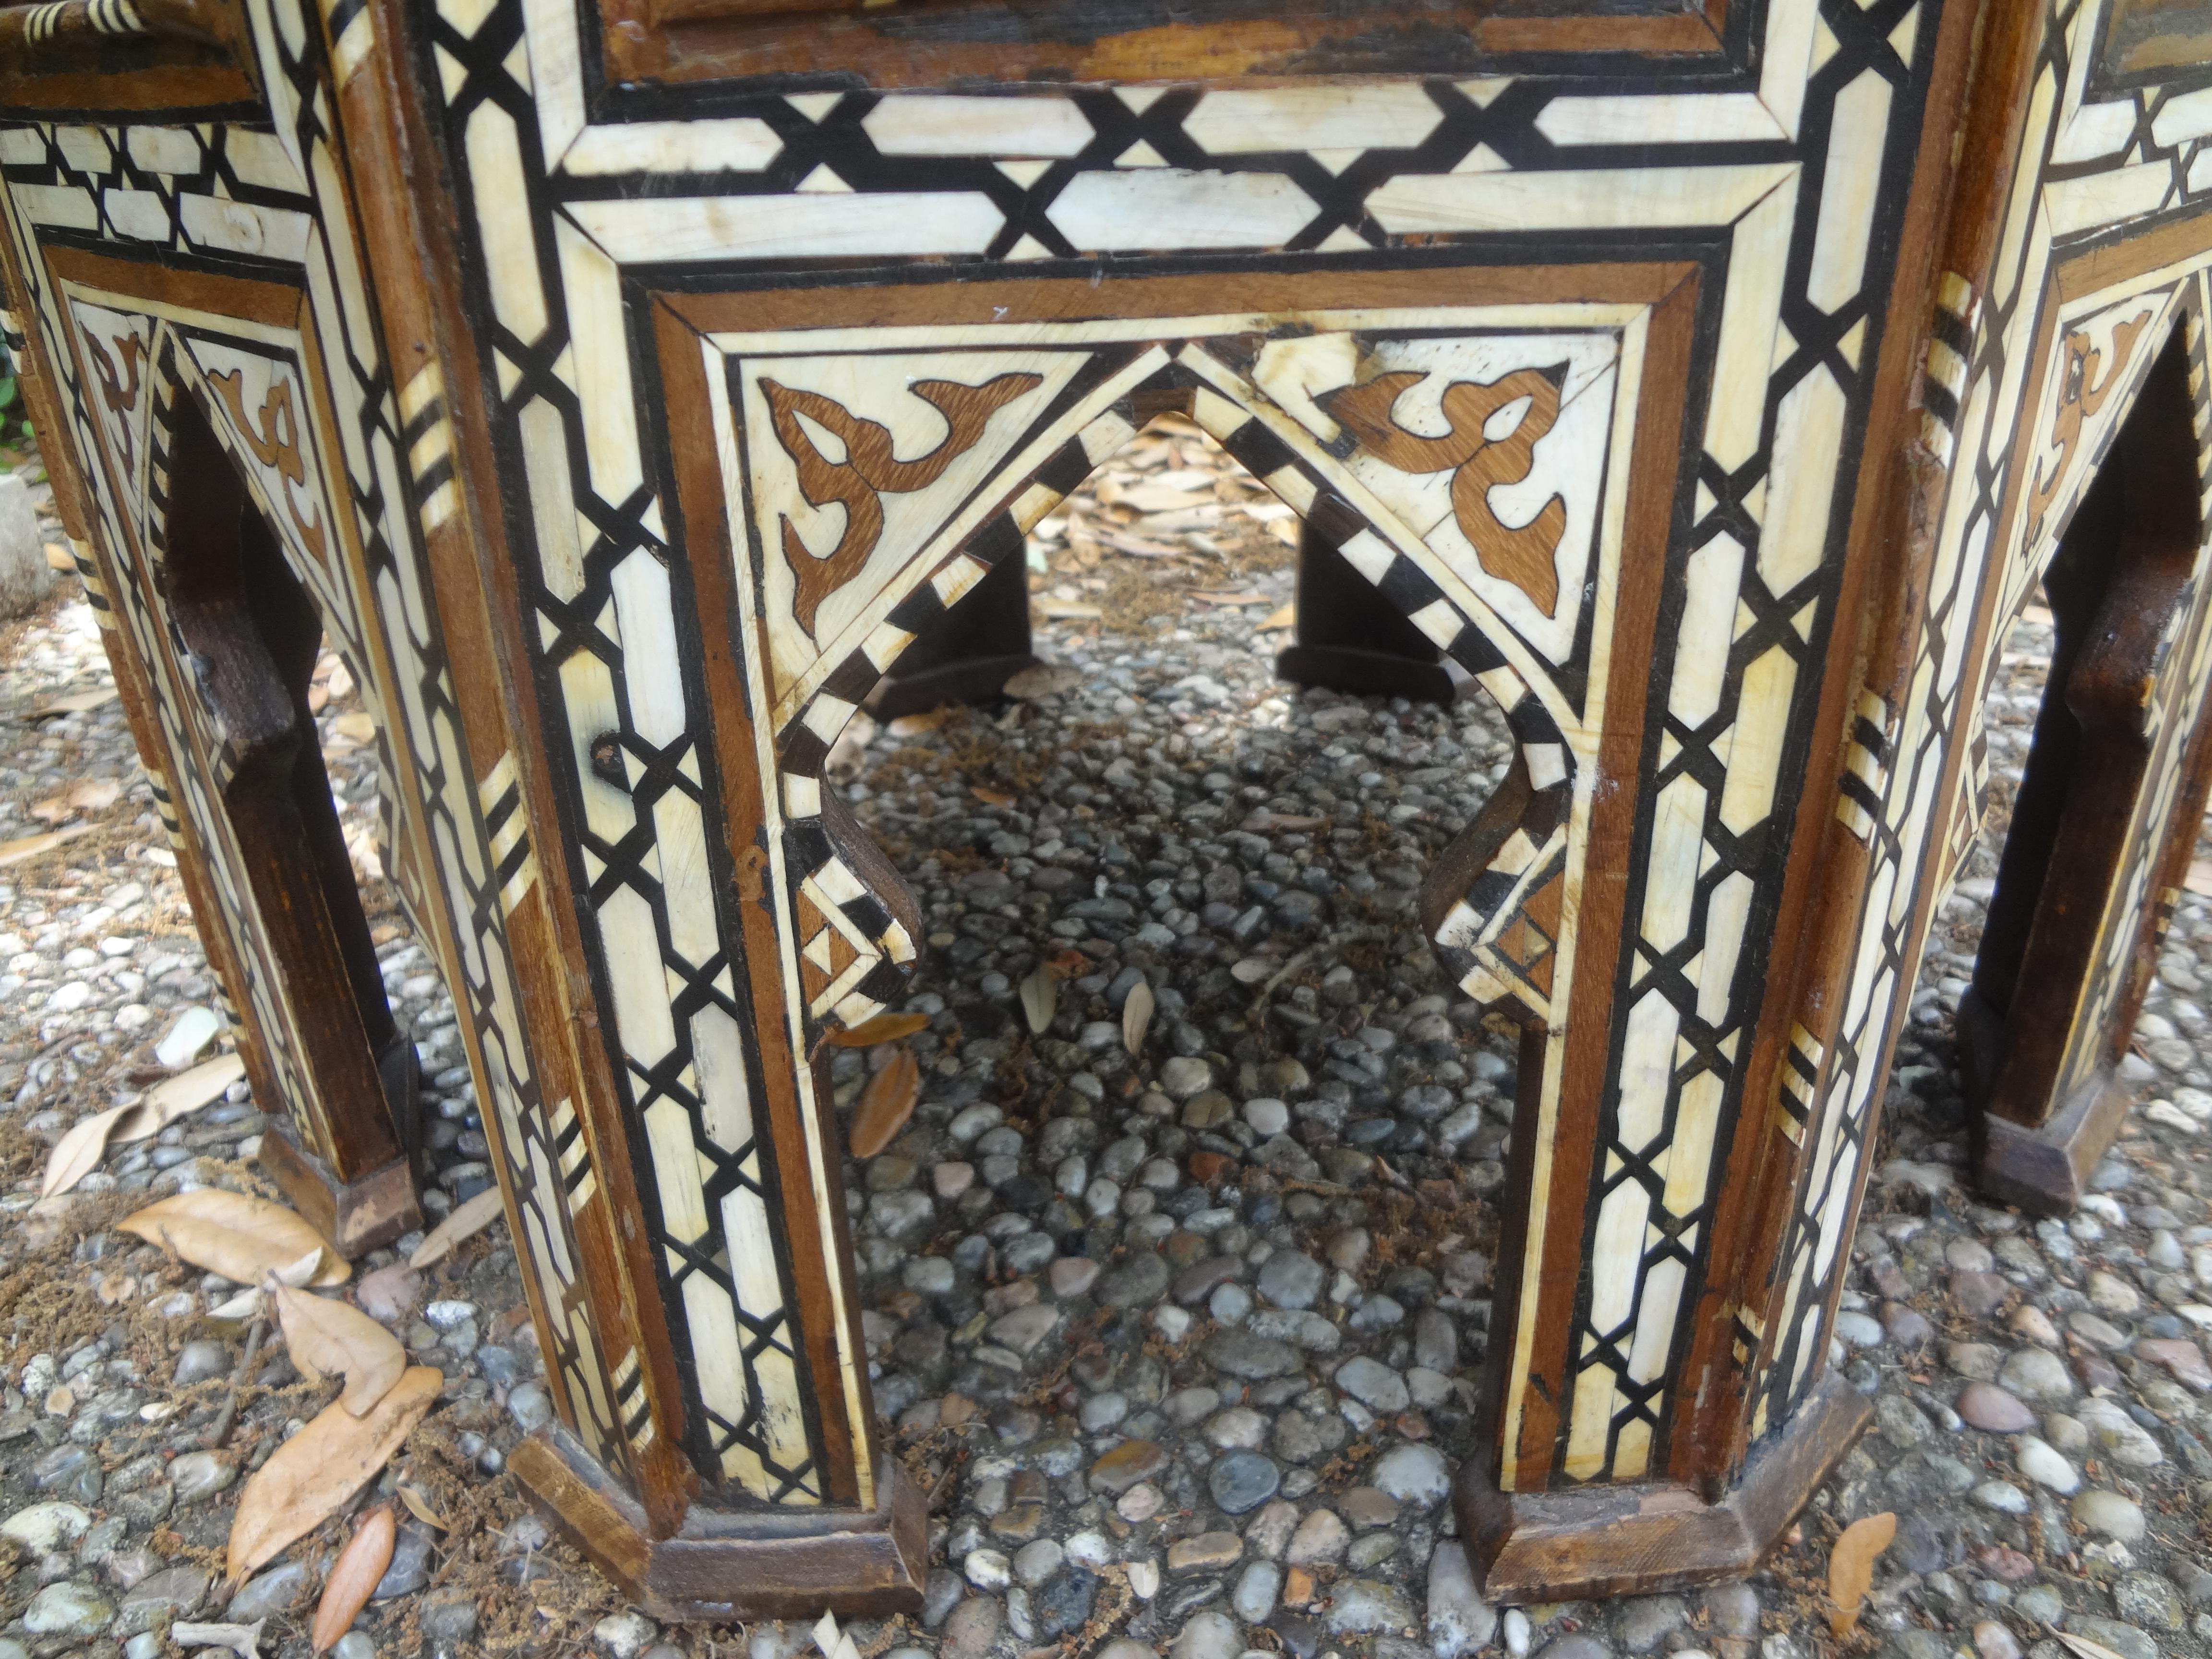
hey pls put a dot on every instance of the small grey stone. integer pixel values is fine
(2109, 1513)
(1037, 1560)
(1139, 1282)
(1208, 1635)
(355, 1644)
(530, 1407)
(1289, 1279)
(1991, 1409)
(626, 1634)
(1242, 1480)
(1320, 1537)
(277, 1590)
(198, 1361)
(1460, 1620)
(410, 1568)
(1644, 1621)
(2038, 1375)
(1240, 1353)
(158, 1598)
(202, 1474)
(1367, 1605)
(1257, 1586)
(2149, 1601)
(449, 1616)
(69, 1608)
(1412, 1474)
(939, 1596)
(1373, 1383)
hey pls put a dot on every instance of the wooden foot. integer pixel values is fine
(974, 648)
(356, 1216)
(1602, 1540)
(724, 1565)
(1352, 639)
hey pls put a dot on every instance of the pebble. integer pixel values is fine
(2109, 1513)
(1320, 1538)
(277, 1590)
(625, 1635)
(198, 1361)
(1459, 1620)
(69, 1608)
(1241, 1482)
(44, 1528)
(200, 1475)
(1367, 1606)
(2045, 1466)
(1990, 1408)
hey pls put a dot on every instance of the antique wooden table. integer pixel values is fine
(623, 385)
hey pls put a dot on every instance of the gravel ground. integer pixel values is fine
(1155, 1333)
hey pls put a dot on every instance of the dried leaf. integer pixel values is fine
(1851, 1567)
(244, 1640)
(330, 1339)
(354, 728)
(78, 1152)
(1278, 619)
(912, 725)
(180, 1095)
(1068, 610)
(29, 846)
(883, 1028)
(244, 1239)
(2199, 879)
(2082, 1647)
(353, 1576)
(315, 1471)
(885, 1105)
(466, 1221)
(59, 558)
(1040, 997)
(95, 795)
(1207, 597)
(72, 703)
(246, 1304)
(420, 1508)
(992, 797)
(1137, 1016)
(299, 1273)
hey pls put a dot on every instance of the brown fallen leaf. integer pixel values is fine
(912, 725)
(59, 558)
(71, 703)
(243, 1239)
(29, 846)
(353, 1576)
(78, 1152)
(1851, 1567)
(420, 1507)
(1281, 618)
(306, 1479)
(329, 1338)
(1068, 610)
(1040, 997)
(53, 810)
(95, 795)
(465, 1222)
(992, 797)
(1204, 597)
(883, 1028)
(1137, 1016)
(2082, 1647)
(354, 728)
(180, 1095)
(885, 1105)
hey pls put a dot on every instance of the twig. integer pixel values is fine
(221, 1432)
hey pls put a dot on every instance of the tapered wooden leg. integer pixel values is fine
(2106, 821)
(975, 648)
(253, 637)
(1351, 638)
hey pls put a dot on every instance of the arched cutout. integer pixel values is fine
(1494, 906)
(243, 626)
